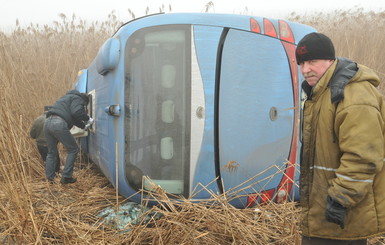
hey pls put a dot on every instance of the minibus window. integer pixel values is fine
(157, 107)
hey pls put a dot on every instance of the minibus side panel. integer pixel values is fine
(206, 40)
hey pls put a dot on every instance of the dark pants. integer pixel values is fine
(56, 130)
(43, 150)
(321, 241)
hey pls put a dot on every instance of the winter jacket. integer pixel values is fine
(37, 130)
(70, 107)
(343, 153)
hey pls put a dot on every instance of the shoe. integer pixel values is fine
(65, 180)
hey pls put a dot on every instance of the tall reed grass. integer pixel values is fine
(356, 34)
(38, 64)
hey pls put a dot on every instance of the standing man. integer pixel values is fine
(37, 133)
(342, 181)
(67, 111)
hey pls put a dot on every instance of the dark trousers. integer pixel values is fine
(321, 241)
(56, 130)
(43, 150)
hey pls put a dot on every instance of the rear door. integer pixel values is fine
(256, 112)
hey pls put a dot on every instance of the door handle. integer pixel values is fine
(113, 110)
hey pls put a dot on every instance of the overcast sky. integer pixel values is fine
(47, 11)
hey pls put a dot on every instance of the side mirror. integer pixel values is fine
(108, 56)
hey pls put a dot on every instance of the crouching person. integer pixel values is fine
(37, 133)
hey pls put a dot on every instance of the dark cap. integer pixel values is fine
(315, 46)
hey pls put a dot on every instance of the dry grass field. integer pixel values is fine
(38, 64)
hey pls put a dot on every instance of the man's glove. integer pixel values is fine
(90, 121)
(87, 126)
(335, 212)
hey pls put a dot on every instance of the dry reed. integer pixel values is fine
(39, 64)
(356, 34)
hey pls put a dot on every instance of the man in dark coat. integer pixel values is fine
(67, 111)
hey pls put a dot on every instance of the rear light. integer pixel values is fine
(285, 32)
(261, 198)
(269, 28)
(267, 196)
(254, 26)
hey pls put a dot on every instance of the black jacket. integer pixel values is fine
(71, 107)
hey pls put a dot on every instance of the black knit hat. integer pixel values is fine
(314, 46)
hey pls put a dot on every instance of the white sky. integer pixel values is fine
(47, 11)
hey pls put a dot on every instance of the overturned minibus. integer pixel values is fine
(197, 103)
